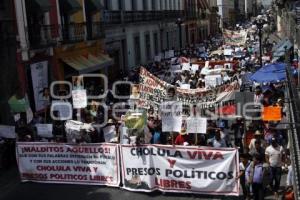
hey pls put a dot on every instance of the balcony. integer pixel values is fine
(95, 30)
(41, 36)
(73, 32)
(125, 17)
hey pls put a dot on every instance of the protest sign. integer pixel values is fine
(7, 132)
(157, 58)
(196, 125)
(90, 164)
(185, 86)
(44, 130)
(171, 53)
(61, 110)
(109, 133)
(235, 38)
(271, 113)
(186, 66)
(213, 80)
(182, 169)
(175, 68)
(135, 119)
(79, 99)
(195, 67)
(153, 92)
(39, 75)
(171, 116)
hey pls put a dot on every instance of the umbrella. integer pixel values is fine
(271, 73)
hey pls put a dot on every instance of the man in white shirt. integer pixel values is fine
(275, 157)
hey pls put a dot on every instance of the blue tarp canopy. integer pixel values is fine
(270, 73)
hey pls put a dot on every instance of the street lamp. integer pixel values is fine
(260, 24)
(179, 22)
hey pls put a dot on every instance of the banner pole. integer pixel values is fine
(196, 139)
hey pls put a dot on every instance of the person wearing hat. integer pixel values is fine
(275, 158)
(182, 137)
(257, 137)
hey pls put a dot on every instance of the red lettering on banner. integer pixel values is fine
(173, 184)
(171, 162)
(204, 155)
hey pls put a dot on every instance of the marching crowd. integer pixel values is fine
(263, 145)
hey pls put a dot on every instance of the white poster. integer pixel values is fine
(185, 86)
(39, 74)
(44, 130)
(213, 80)
(79, 99)
(7, 132)
(195, 67)
(61, 110)
(109, 133)
(196, 125)
(182, 169)
(186, 67)
(171, 116)
(89, 164)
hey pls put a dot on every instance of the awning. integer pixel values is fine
(281, 48)
(40, 5)
(86, 65)
(94, 5)
(70, 6)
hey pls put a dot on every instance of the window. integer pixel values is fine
(145, 5)
(121, 4)
(133, 4)
(168, 41)
(153, 4)
(2, 6)
(107, 4)
(137, 50)
(155, 36)
(148, 46)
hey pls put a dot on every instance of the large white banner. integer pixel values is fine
(91, 164)
(39, 75)
(182, 169)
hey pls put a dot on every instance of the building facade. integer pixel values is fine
(233, 12)
(9, 80)
(287, 15)
(137, 30)
(58, 39)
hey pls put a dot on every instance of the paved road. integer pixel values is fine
(12, 189)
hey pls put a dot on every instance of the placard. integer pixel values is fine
(79, 99)
(171, 116)
(272, 113)
(39, 75)
(196, 125)
(8, 132)
(186, 66)
(44, 130)
(109, 133)
(90, 164)
(204, 170)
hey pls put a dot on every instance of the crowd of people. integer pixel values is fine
(263, 145)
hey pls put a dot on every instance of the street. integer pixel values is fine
(12, 189)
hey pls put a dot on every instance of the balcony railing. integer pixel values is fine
(42, 35)
(73, 32)
(95, 31)
(119, 17)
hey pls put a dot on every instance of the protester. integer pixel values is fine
(254, 177)
(275, 158)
